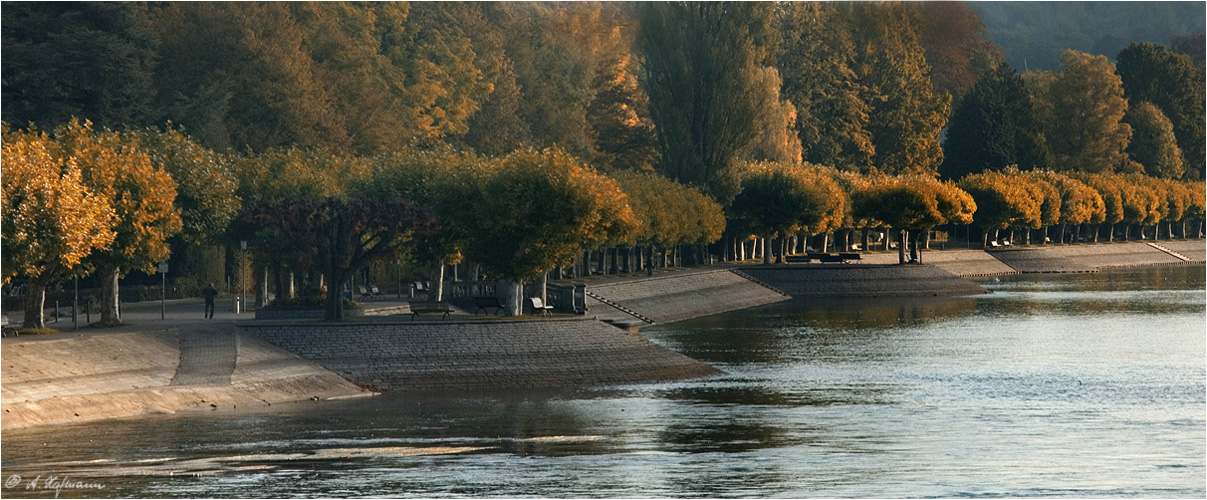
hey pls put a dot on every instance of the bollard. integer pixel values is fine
(237, 304)
(56, 311)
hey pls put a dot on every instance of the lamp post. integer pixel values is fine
(163, 286)
(243, 274)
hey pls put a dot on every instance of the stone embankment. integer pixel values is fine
(444, 355)
(864, 280)
(1093, 257)
(679, 296)
(964, 263)
(66, 378)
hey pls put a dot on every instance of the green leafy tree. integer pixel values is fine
(239, 76)
(700, 65)
(88, 59)
(534, 210)
(1174, 84)
(205, 182)
(906, 116)
(993, 127)
(1081, 111)
(775, 201)
(816, 61)
(52, 220)
(1154, 144)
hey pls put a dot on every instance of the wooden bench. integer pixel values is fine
(376, 293)
(849, 256)
(418, 308)
(364, 294)
(538, 305)
(825, 257)
(797, 259)
(484, 303)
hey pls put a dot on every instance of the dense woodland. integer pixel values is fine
(518, 139)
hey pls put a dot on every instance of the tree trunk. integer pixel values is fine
(512, 293)
(438, 282)
(865, 240)
(766, 254)
(333, 306)
(110, 296)
(902, 235)
(544, 289)
(262, 286)
(33, 303)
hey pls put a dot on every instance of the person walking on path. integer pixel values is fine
(209, 293)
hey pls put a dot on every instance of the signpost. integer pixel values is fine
(163, 287)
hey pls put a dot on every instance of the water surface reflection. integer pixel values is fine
(1077, 385)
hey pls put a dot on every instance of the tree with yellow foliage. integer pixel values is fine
(51, 219)
(912, 204)
(1079, 203)
(1002, 202)
(141, 195)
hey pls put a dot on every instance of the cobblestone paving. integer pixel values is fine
(862, 280)
(427, 356)
(207, 355)
(684, 296)
(1084, 258)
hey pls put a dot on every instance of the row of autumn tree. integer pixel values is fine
(85, 200)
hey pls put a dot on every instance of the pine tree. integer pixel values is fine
(993, 127)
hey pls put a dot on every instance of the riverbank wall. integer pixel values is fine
(679, 296)
(69, 378)
(864, 281)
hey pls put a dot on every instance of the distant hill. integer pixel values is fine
(1033, 34)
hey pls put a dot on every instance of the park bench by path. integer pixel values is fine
(821, 257)
(825, 257)
(364, 294)
(418, 308)
(484, 303)
(539, 307)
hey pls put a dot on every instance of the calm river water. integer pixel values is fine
(1085, 385)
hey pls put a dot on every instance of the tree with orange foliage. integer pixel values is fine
(52, 220)
(142, 196)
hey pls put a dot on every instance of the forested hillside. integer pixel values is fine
(1033, 34)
